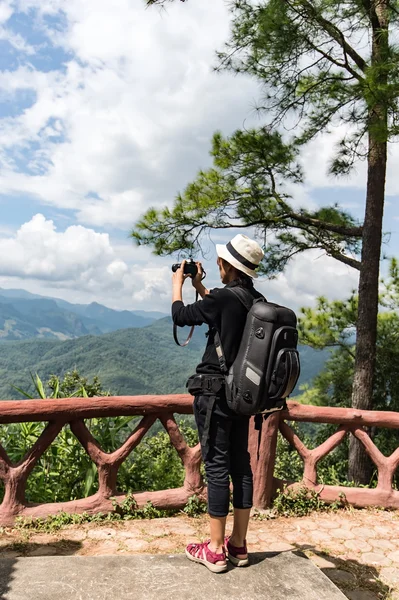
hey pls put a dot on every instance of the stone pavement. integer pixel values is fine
(357, 549)
(271, 576)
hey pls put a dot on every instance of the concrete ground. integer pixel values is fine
(358, 550)
(147, 577)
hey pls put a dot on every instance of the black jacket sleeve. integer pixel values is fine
(206, 310)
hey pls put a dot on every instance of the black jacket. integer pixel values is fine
(220, 309)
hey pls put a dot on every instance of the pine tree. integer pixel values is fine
(324, 63)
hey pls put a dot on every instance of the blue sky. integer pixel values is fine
(109, 108)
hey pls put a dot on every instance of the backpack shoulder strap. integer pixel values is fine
(245, 296)
(247, 299)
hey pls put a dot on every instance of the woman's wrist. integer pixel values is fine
(201, 289)
(177, 292)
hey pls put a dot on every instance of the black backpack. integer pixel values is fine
(266, 368)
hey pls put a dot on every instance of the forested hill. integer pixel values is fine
(129, 361)
(24, 316)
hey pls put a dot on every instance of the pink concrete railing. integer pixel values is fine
(73, 411)
(349, 422)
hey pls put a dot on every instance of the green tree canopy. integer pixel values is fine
(332, 324)
(246, 188)
(324, 63)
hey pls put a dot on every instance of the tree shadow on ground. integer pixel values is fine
(347, 574)
(6, 576)
(27, 548)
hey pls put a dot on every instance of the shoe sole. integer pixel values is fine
(238, 562)
(207, 564)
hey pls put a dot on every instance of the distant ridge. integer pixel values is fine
(129, 361)
(24, 315)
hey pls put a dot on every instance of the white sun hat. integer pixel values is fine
(243, 253)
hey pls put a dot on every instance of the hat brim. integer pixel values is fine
(222, 252)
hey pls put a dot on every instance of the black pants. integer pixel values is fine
(225, 455)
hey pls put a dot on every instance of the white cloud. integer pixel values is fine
(82, 265)
(131, 115)
(38, 250)
(308, 276)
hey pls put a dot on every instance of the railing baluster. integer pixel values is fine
(75, 410)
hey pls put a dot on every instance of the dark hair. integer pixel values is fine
(242, 278)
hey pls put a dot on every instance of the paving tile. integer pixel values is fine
(383, 530)
(390, 575)
(327, 523)
(280, 547)
(375, 558)
(182, 527)
(342, 534)
(321, 562)
(136, 545)
(43, 538)
(166, 545)
(394, 556)
(382, 544)
(364, 532)
(358, 545)
(103, 533)
(321, 536)
(269, 537)
(74, 535)
(252, 537)
(10, 554)
(105, 547)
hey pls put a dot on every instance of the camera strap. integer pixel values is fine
(190, 335)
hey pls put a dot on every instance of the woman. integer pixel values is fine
(223, 434)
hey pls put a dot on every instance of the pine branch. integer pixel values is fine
(332, 30)
(347, 260)
(340, 229)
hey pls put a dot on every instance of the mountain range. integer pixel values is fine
(24, 316)
(132, 353)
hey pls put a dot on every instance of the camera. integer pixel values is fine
(190, 268)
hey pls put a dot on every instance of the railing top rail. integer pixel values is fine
(340, 416)
(70, 409)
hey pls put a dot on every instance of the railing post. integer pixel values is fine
(263, 467)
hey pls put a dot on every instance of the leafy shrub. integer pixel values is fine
(300, 502)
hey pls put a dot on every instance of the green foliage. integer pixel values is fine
(128, 362)
(246, 187)
(301, 502)
(65, 472)
(333, 324)
(195, 507)
(315, 69)
(127, 510)
(62, 519)
(315, 76)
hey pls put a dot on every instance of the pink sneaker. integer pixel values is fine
(201, 553)
(233, 553)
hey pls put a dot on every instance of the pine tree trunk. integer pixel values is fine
(366, 332)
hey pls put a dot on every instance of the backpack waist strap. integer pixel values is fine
(204, 384)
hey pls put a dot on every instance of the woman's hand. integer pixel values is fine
(199, 276)
(197, 281)
(178, 277)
